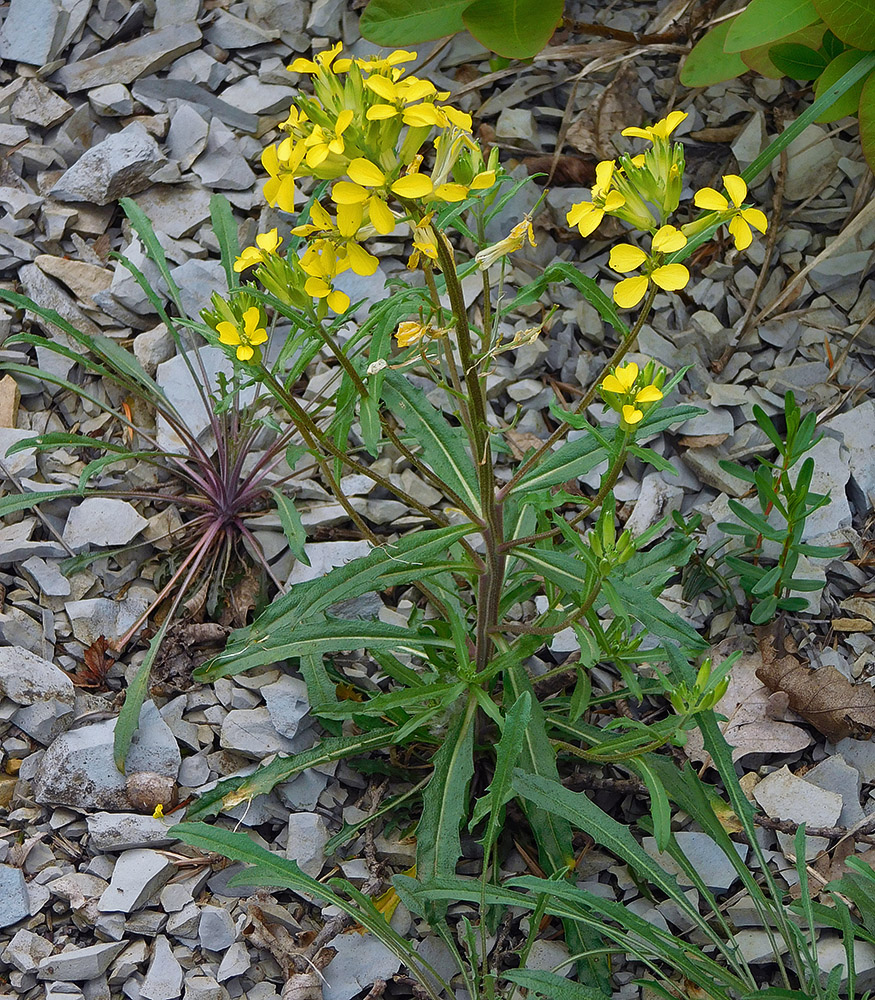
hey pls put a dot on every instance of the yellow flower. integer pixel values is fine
(281, 162)
(364, 175)
(742, 218)
(622, 383)
(246, 338)
(374, 64)
(661, 130)
(424, 243)
(410, 332)
(322, 263)
(159, 811)
(266, 244)
(587, 215)
(322, 142)
(521, 232)
(622, 379)
(625, 257)
(323, 61)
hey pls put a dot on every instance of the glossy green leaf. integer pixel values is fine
(764, 21)
(568, 572)
(516, 29)
(708, 63)
(395, 23)
(801, 62)
(849, 102)
(853, 21)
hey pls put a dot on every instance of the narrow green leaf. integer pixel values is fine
(562, 271)
(660, 810)
(853, 21)
(225, 229)
(552, 985)
(656, 618)
(764, 21)
(516, 29)
(143, 228)
(709, 63)
(570, 460)
(293, 529)
(443, 447)
(568, 572)
(393, 23)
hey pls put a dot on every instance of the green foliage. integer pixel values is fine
(515, 29)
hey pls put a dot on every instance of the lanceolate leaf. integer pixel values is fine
(853, 21)
(552, 985)
(764, 21)
(570, 460)
(656, 618)
(293, 529)
(232, 791)
(443, 447)
(516, 29)
(225, 228)
(404, 22)
(569, 572)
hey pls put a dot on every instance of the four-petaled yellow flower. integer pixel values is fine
(515, 239)
(622, 382)
(322, 142)
(742, 218)
(661, 130)
(625, 257)
(247, 337)
(266, 244)
(282, 162)
(410, 332)
(587, 215)
(323, 61)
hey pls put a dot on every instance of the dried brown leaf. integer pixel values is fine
(521, 441)
(571, 171)
(830, 702)
(95, 666)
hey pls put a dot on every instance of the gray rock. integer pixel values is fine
(21, 463)
(204, 988)
(251, 732)
(33, 31)
(859, 754)
(186, 140)
(26, 950)
(812, 158)
(358, 963)
(656, 500)
(50, 295)
(102, 521)
(518, 126)
(197, 280)
(164, 977)
(235, 962)
(79, 964)
(47, 576)
(256, 98)
(169, 12)
(287, 703)
(221, 165)
(307, 837)
(216, 931)
(126, 831)
(175, 897)
(126, 62)
(102, 616)
(704, 855)
(831, 952)
(177, 209)
(164, 89)
(831, 475)
(121, 165)
(756, 946)
(784, 796)
(183, 923)
(231, 32)
(137, 876)
(836, 775)
(45, 693)
(14, 898)
(112, 100)
(325, 17)
(857, 428)
(152, 347)
(78, 769)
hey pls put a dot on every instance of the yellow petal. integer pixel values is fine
(379, 112)
(244, 352)
(250, 320)
(741, 233)
(422, 114)
(363, 172)
(338, 301)
(668, 239)
(381, 216)
(613, 201)
(302, 65)
(485, 179)
(671, 277)
(343, 121)
(630, 291)
(412, 186)
(710, 199)
(735, 188)
(316, 155)
(349, 219)
(579, 211)
(756, 218)
(613, 384)
(460, 119)
(346, 193)
(360, 260)
(451, 192)
(670, 123)
(409, 332)
(228, 333)
(624, 257)
(382, 86)
(626, 375)
(604, 172)
(268, 241)
(632, 415)
(318, 288)
(285, 194)
(417, 89)
(636, 133)
(649, 394)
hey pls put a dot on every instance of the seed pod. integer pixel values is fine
(146, 790)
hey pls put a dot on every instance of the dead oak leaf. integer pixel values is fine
(823, 697)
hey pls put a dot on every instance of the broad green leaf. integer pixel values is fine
(232, 791)
(315, 638)
(444, 448)
(395, 23)
(516, 29)
(552, 985)
(128, 720)
(760, 59)
(867, 120)
(798, 61)
(445, 799)
(569, 572)
(569, 461)
(849, 102)
(293, 529)
(225, 228)
(413, 557)
(853, 21)
(708, 63)
(506, 755)
(656, 618)
(764, 21)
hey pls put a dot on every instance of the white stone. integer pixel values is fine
(857, 428)
(307, 837)
(126, 831)
(121, 165)
(325, 556)
(784, 796)
(257, 98)
(836, 775)
(251, 732)
(102, 521)
(80, 964)
(26, 950)
(235, 962)
(164, 977)
(656, 500)
(706, 857)
(287, 703)
(831, 475)
(360, 960)
(216, 931)
(32, 32)
(152, 347)
(137, 876)
(111, 100)
(204, 988)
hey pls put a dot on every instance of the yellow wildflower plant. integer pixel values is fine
(245, 335)
(741, 218)
(322, 263)
(266, 244)
(343, 233)
(625, 257)
(661, 130)
(624, 392)
(587, 215)
(514, 240)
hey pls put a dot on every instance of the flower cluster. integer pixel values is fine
(645, 191)
(631, 392)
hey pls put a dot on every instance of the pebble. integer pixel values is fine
(125, 831)
(137, 876)
(287, 704)
(119, 166)
(32, 32)
(252, 733)
(836, 775)
(857, 429)
(204, 988)
(14, 899)
(359, 962)
(307, 837)
(706, 857)
(235, 962)
(782, 795)
(102, 521)
(45, 693)
(164, 977)
(111, 100)
(26, 950)
(79, 964)
(216, 930)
